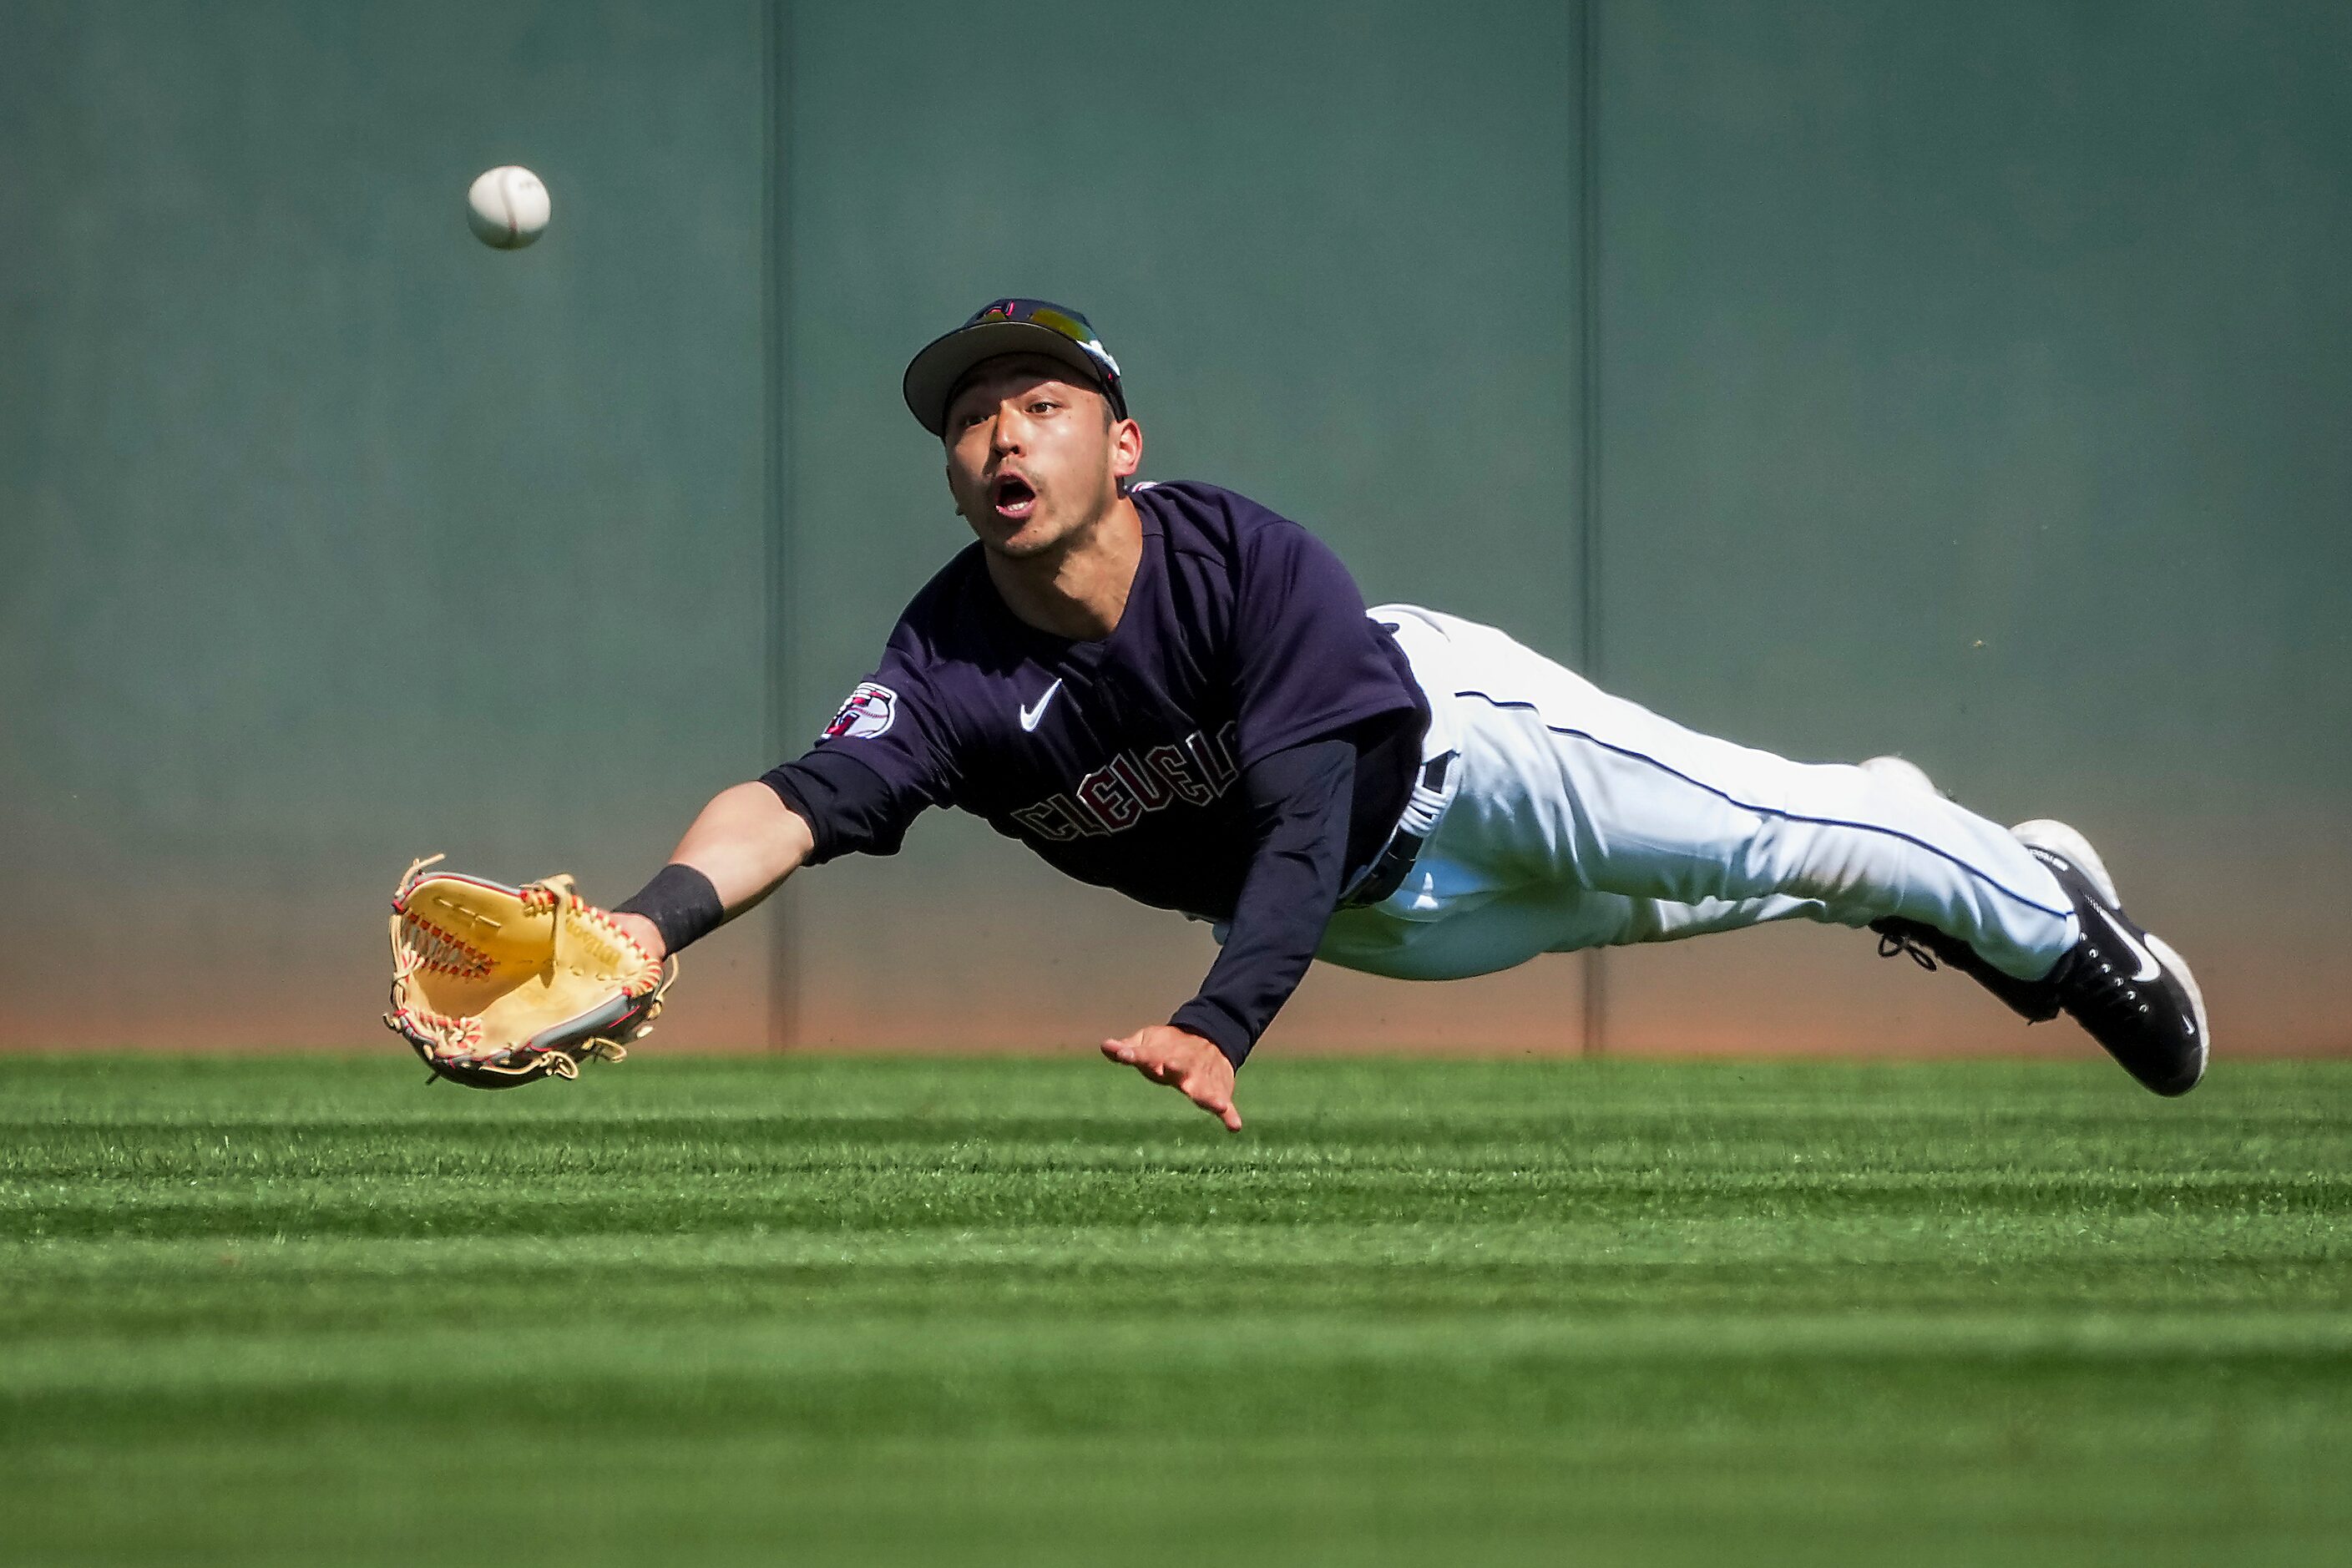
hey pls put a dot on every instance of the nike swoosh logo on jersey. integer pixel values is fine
(2148, 968)
(1029, 716)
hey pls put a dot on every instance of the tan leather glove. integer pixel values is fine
(495, 986)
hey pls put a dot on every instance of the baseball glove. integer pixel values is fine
(495, 986)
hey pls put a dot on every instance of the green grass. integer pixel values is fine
(306, 1310)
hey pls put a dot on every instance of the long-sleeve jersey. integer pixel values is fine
(1239, 747)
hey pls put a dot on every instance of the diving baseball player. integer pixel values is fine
(1168, 689)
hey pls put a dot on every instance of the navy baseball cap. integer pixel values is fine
(1007, 327)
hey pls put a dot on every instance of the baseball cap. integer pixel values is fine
(1007, 327)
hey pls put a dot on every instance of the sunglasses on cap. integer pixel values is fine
(1007, 327)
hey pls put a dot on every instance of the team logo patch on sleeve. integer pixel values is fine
(866, 714)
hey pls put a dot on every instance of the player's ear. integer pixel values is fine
(1126, 449)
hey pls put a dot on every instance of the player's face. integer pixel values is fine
(1034, 456)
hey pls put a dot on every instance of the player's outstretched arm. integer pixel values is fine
(740, 849)
(1299, 798)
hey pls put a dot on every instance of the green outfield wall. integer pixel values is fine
(1968, 381)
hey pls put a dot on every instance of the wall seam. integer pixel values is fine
(1588, 425)
(781, 622)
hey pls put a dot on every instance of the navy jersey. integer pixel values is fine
(1117, 759)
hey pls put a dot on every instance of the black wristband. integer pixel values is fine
(681, 903)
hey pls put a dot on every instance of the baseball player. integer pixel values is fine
(1168, 689)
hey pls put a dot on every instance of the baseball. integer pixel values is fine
(508, 206)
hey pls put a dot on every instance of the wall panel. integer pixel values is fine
(1973, 387)
(335, 538)
(1329, 250)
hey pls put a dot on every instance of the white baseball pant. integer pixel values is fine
(1574, 819)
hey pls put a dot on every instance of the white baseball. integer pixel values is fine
(508, 206)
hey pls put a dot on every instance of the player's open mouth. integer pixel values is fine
(1013, 496)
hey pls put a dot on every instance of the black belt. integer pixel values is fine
(1386, 873)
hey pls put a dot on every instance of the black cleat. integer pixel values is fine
(2127, 988)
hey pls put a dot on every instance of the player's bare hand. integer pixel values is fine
(1184, 1062)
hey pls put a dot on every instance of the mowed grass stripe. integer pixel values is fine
(1313, 1502)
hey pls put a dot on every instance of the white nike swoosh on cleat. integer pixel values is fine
(2148, 967)
(1029, 716)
